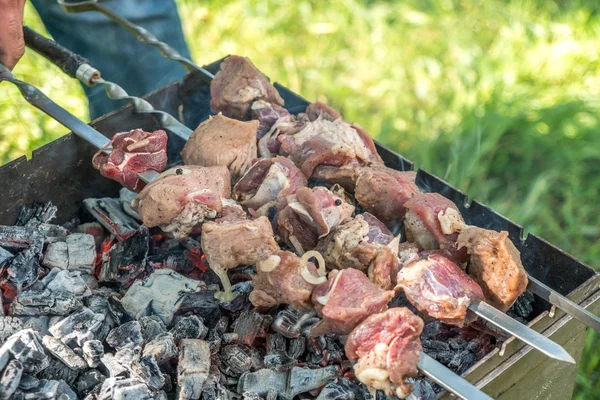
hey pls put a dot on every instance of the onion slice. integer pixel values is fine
(306, 274)
(270, 264)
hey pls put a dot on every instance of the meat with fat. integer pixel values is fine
(345, 300)
(433, 222)
(183, 197)
(310, 214)
(388, 348)
(279, 280)
(266, 114)
(222, 141)
(266, 181)
(237, 85)
(495, 264)
(132, 152)
(383, 192)
(321, 110)
(438, 288)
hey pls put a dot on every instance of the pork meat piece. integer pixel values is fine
(345, 300)
(495, 265)
(237, 85)
(309, 214)
(132, 152)
(279, 280)
(269, 146)
(358, 244)
(266, 114)
(222, 141)
(383, 191)
(183, 197)
(266, 180)
(329, 143)
(433, 222)
(388, 348)
(438, 288)
(321, 110)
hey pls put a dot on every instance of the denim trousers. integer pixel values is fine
(114, 51)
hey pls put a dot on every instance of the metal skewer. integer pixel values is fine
(38, 99)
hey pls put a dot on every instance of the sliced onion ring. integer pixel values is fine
(306, 274)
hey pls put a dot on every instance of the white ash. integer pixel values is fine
(193, 367)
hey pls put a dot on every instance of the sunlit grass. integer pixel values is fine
(500, 98)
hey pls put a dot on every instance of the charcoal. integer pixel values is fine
(286, 384)
(276, 343)
(78, 327)
(162, 349)
(82, 251)
(21, 237)
(262, 381)
(57, 389)
(36, 213)
(123, 389)
(229, 338)
(25, 347)
(64, 353)
(279, 361)
(241, 301)
(340, 389)
(39, 323)
(66, 283)
(457, 343)
(249, 325)
(523, 307)
(218, 392)
(56, 256)
(290, 322)
(161, 294)
(5, 255)
(422, 389)
(93, 351)
(28, 382)
(146, 369)
(32, 303)
(190, 327)
(24, 268)
(125, 260)
(8, 327)
(152, 327)
(222, 325)
(112, 367)
(126, 196)
(297, 347)
(116, 311)
(160, 395)
(193, 368)
(10, 379)
(87, 381)
(175, 260)
(214, 341)
(202, 304)
(110, 215)
(94, 229)
(57, 370)
(251, 396)
(235, 359)
(462, 361)
(127, 335)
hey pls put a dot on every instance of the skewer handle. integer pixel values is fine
(63, 58)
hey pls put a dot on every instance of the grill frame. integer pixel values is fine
(61, 171)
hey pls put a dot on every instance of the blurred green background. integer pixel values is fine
(500, 98)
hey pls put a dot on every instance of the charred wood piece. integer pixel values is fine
(193, 368)
(109, 213)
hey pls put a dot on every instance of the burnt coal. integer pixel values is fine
(162, 348)
(57, 370)
(54, 390)
(290, 322)
(87, 381)
(36, 214)
(21, 237)
(189, 327)
(28, 382)
(126, 260)
(249, 325)
(203, 304)
(147, 370)
(343, 389)
(79, 327)
(128, 335)
(10, 378)
(124, 388)
(93, 351)
(24, 268)
(235, 359)
(152, 327)
(286, 384)
(25, 347)
(64, 353)
(8, 327)
(193, 368)
(110, 215)
(522, 308)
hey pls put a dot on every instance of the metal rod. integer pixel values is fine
(142, 34)
(38, 99)
(449, 380)
(560, 301)
(523, 332)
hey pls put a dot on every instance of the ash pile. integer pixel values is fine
(103, 308)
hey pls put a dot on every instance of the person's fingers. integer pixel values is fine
(12, 46)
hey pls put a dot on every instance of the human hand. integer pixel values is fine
(12, 46)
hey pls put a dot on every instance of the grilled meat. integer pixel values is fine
(383, 191)
(183, 197)
(310, 214)
(495, 264)
(346, 299)
(438, 288)
(433, 222)
(266, 181)
(266, 114)
(388, 348)
(132, 152)
(321, 110)
(237, 85)
(222, 141)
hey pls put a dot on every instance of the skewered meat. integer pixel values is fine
(345, 300)
(383, 191)
(329, 143)
(183, 197)
(309, 215)
(237, 85)
(363, 243)
(433, 222)
(495, 265)
(222, 141)
(269, 145)
(318, 110)
(230, 243)
(266, 180)
(439, 288)
(132, 152)
(388, 348)
(279, 279)
(266, 114)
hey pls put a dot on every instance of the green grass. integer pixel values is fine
(500, 98)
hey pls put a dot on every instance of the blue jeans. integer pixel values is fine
(114, 51)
